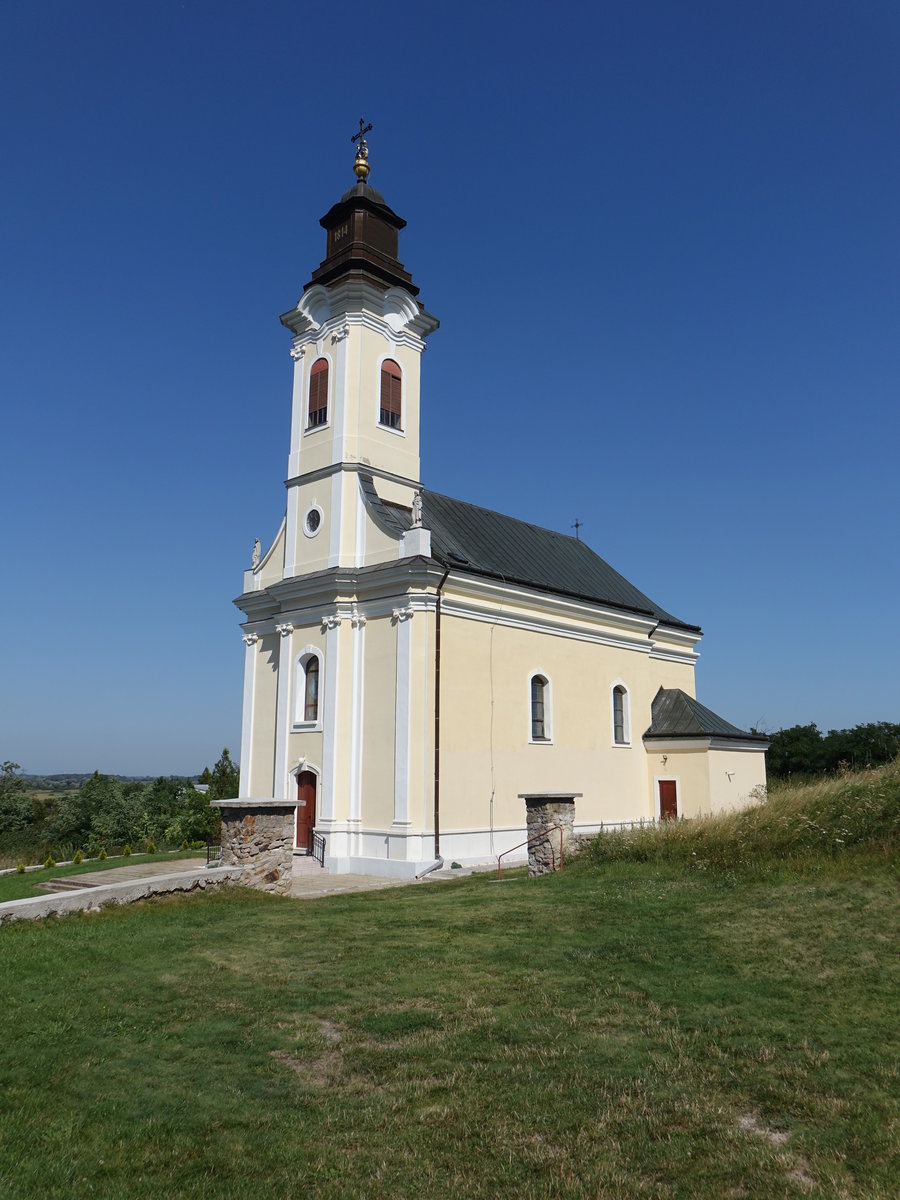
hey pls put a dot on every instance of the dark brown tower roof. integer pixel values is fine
(363, 234)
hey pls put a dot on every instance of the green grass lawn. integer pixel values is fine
(630, 1030)
(19, 887)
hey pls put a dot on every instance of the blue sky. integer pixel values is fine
(668, 229)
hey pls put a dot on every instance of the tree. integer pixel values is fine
(796, 751)
(16, 812)
(78, 812)
(224, 780)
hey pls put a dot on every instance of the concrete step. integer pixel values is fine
(72, 883)
(305, 864)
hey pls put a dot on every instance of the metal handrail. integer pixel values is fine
(536, 837)
(316, 847)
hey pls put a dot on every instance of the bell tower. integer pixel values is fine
(358, 337)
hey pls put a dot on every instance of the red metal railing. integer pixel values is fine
(537, 837)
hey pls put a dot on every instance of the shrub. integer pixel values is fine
(78, 857)
(49, 861)
(127, 851)
(184, 844)
(101, 854)
(151, 847)
(21, 869)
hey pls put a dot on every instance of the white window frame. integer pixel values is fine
(626, 715)
(307, 428)
(298, 722)
(401, 432)
(547, 739)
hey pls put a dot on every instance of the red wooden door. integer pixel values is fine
(668, 800)
(306, 807)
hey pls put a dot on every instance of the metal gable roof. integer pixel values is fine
(500, 547)
(675, 714)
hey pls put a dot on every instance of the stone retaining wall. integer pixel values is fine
(261, 841)
(542, 813)
(92, 899)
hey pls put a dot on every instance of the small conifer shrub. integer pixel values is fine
(102, 853)
(127, 851)
(184, 844)
(151, 847)
(78, 857)
(21, 869)
(49, 861)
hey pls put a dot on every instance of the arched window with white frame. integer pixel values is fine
(390, 410)
(318, 394)
(307, 711)
(539, 700)
(621, 715)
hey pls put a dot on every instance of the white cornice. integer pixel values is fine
(394, 314)
(356, 468)
(688, 656)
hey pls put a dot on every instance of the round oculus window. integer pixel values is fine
(313, 521)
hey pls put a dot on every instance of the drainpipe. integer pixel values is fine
(437, 719)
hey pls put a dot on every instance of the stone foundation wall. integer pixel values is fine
(541, 816)
(262, 842)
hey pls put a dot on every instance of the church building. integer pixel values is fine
(419, 670)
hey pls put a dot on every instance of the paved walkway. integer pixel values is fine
(145, 870)
(137, 881)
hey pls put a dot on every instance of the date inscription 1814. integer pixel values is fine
(339, 233)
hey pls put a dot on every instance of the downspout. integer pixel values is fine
(437, 719)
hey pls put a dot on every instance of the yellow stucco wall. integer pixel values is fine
(378, 723)
(485, 723)
(733, 776)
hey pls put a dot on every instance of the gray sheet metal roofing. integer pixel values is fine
(675, 714)
(500, 547)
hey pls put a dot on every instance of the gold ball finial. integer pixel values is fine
(361, 164)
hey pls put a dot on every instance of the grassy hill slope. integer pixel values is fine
(628, 1030)
(800, 825)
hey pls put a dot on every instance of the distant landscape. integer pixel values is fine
(56, 816)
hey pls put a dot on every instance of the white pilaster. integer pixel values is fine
(332, 623)
(339, 344)
(283, 712)
(358, 623)
(245, 787)
(402, 618)
(297, 414)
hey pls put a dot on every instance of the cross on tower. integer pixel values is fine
(578, 525)
(363, 130)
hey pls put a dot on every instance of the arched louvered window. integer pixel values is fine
(621, 730)
(318, 394)
(391, 381)
(540, 709)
